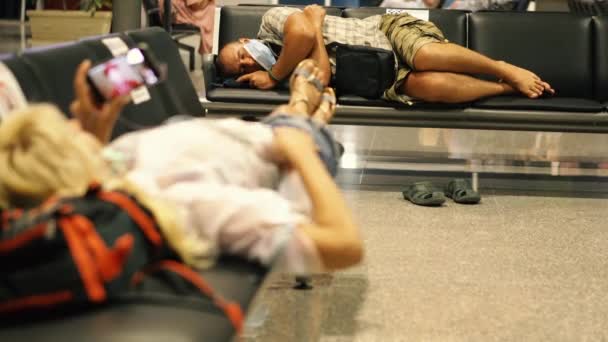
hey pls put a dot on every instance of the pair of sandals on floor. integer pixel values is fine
(306, 87)
(427, 194)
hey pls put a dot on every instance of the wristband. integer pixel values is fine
(272, 76)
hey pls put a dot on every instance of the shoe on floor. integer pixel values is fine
(461, 191)
(424, 193)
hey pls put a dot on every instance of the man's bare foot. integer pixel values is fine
(525, 81)
(326, 108)
(305, 87)
(507, 88)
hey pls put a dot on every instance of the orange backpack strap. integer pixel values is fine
(36, 301)
(83, 260)
(137, 214)
(9, 245)
(109, 261)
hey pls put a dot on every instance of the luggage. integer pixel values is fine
(85, 251)
(364, 71)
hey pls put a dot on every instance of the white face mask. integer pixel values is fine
(260, 53)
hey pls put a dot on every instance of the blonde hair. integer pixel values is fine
(42, 156)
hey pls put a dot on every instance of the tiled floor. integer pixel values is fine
(514, 268)
(510, 269)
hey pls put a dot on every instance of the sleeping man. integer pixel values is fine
(430, 68)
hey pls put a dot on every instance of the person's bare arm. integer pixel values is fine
(333, 230)
(316, 16)
(98, 120)
(298, 42)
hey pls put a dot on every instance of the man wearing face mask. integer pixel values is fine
(430, 68)
(256, 62)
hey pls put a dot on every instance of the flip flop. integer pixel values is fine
(424, 193)
(460, 191)
(327, 106)
(302, 70)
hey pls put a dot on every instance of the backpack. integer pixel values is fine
(85, 251)
(363, 71)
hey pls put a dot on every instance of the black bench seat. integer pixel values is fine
(569, 51)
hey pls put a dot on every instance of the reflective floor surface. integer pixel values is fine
(527, 264)
(488, 150)
(513, 268)
(393, 156)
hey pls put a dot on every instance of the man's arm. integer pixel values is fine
(298, 42)
(316, 16)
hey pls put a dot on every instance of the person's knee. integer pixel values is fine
(426, 86)
(426, 55)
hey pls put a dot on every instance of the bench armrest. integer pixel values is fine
(209, 70)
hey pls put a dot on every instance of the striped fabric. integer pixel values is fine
(399, 32)
(351, 31)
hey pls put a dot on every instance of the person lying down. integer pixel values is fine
(262, 191)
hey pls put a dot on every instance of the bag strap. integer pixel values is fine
(96, 263)
(232, 310)
(36, 301)
(109, 261)
(15, 236)
(83, 260)
(135, 212)
(9, 245)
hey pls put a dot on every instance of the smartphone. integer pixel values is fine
(122, 74)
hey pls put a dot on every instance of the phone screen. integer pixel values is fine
(120, 75)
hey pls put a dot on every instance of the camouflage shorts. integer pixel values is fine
(407, 34)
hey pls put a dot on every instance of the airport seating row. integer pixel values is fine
(568, 51)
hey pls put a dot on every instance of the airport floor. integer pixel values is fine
(527, 264)
(513, 268)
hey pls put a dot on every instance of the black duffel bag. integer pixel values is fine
(363, 71)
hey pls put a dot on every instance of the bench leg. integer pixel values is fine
(475, 181)
(22, 26)
(191, 53)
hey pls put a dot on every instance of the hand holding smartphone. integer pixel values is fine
(103, 90)
(122, 74)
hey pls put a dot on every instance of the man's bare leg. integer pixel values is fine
(450, 87)
(454, 58)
